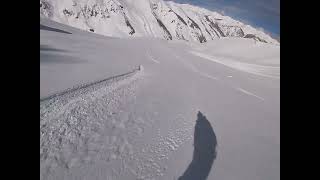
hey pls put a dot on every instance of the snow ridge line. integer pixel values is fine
(85, 85)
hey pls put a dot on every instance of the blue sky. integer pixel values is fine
(263, 14)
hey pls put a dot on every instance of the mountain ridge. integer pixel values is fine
(148, 18)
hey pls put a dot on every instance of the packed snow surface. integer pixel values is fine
(147, 108)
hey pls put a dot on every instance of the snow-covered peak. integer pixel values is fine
(148, 18)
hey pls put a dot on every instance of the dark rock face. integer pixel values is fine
(194, 25)
(180, 18)
(129, 25)
(252, 36)
(214, 26)
(67, 12)
(46, 8)
(169, 36)
(232, 31)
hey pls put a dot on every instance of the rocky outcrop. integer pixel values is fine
(165, 19)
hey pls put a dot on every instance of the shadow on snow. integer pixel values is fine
(43, 27)
(204, 153)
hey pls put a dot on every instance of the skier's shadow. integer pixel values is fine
(204, 153)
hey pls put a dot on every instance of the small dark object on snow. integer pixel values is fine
(92, 30)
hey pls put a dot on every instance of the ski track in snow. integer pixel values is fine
(188, 65)
(75, 130)
(193, 68)
(73, 123)
(150, 160)
(265, 71)
(152, 59)
(249, 93)
(208, 76)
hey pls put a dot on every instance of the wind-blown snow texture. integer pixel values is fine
(146, 108)
(148, 18)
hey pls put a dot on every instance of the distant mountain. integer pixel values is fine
(148, 18)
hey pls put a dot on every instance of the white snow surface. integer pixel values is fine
(147, 18)
(116, 108)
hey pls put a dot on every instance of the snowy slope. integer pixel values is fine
(148, 18)
(147, 108)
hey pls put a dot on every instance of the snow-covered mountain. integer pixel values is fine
(148, 18)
